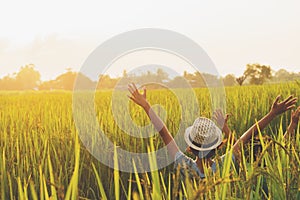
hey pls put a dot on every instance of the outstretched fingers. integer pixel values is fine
(132, 89)
(136, 96)
(292, 101)
(219, 117)
(298, 110)
(296, 113)
(287, 99)
(130, 97)
(295, 117)
(290, 107)
(217, 112)
(134, 86)
(276, 100)
(215, 115)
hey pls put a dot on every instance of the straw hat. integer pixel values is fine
(204, 135)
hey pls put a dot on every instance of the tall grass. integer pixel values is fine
(41, 156)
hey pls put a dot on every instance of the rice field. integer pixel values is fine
(42, 157)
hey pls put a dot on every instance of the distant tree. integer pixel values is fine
(149, 76)
(8, 83)
(210, 79)
(198, 80)
(65, 81)
(84, 82)
(229, 80)
(161, 75)
(125, 75)
(257, 73)
(28, 78)
(122, 83)
(240, 80)
(48, 85)
(190, 78)
(177, 82)
(185, 73)
(105, 82)
(283, 75)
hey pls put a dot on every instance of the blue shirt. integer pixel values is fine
(189, 166)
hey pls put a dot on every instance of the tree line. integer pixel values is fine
(28, 78)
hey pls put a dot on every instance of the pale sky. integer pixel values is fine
(55, 35)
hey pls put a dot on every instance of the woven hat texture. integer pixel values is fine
(203, 135)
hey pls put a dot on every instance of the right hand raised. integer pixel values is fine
(136, 96)
(221, 121)
(281, 107)
(220, 118)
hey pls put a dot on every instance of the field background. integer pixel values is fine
(41, 156)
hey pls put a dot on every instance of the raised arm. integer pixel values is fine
(141, 100)
(221, 121)
(276, 109)
(294, 123)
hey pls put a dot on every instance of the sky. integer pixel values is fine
(56, 35)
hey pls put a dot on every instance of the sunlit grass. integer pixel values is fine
(41, 156)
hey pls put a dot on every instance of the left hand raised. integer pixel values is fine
(136, 96)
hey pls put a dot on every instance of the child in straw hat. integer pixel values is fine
(204, 137)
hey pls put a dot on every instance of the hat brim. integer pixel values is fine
(213, 146)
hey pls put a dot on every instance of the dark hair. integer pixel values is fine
(209, 153)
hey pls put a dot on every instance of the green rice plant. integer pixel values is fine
(116, 174)
(156, 192)
(72, 192)
(41, 156)
(99, 182)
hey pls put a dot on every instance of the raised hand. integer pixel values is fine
(277, 109)
(136, 96)
(220, 119)
(281, 107)
(295, 116)
(140, 99)
(294, 121)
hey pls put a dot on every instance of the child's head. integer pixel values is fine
(203, 137)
